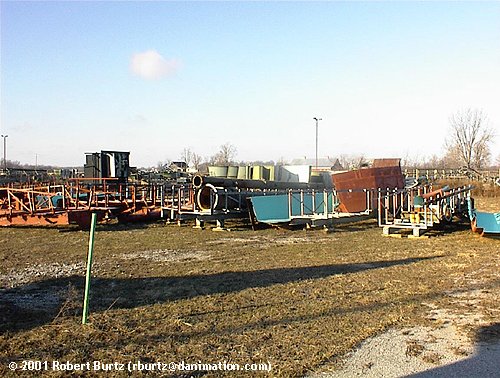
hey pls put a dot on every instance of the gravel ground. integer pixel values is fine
(423, 352)
(14, 277)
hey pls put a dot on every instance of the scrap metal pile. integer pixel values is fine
(74, 202)
(287, 195)
(281, 195)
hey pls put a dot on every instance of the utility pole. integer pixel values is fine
(5, 152)
(317, 121)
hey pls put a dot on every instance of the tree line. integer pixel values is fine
(468, 144)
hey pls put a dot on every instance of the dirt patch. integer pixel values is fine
(167, 255)
(442, 351)
(276, 239)
(16, 277)
(401, 352)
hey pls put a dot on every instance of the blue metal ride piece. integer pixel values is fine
(489, 223)
(271, 209)
(283, 208)
(43, 201)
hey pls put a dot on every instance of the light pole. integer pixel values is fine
(5, 152)
(317, 121)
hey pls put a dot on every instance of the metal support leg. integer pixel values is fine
(199, 224)
(219, 225)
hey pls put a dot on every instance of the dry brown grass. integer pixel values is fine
(414, 348)
(481, 189)
(298, 299)
(432, 358)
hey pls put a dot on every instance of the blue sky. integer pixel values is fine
(154, 78)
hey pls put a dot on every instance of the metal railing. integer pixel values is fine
(421, 207)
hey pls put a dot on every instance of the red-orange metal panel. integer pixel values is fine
(382, 163)
(366, 178)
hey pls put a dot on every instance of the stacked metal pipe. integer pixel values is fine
(225, 193)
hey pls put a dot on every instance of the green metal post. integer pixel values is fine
(89, 269)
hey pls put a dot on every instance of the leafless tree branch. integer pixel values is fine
(470, 138)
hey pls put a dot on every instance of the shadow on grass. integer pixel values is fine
(484, 362)
(489, 334)
(37, 303)
(113, 226)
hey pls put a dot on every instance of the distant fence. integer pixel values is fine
(29, 175)
(456, 173)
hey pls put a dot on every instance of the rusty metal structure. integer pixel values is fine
(276, 197)
(107, 192)
(351, 184)
(74, 202)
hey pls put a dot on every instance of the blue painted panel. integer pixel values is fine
(308, 204)
(295, 204)
(276, 208)
(489, 222)
(271, 209)
(319, 203)
(332, 204)
(42, 200)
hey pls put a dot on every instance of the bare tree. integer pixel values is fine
(413, 161)
(433, 162)
(452, 157)
(186, 155)
(352, 161)
(226, 154)
(196, 160)
(469, 139)
(162, 165)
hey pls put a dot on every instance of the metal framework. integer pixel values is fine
(458, 173)
(209, 203)
(74, 203)
(419, 209)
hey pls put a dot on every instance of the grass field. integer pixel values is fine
(298, 300)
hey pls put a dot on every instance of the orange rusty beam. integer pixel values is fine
(18, 201)
(35, 219)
